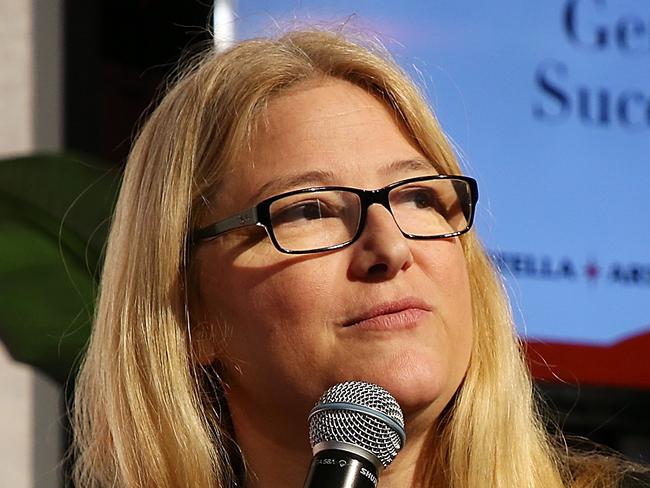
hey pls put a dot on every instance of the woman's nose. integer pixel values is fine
(382, 251)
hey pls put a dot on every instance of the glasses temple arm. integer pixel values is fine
(243, 219)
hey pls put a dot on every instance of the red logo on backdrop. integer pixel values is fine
(592, 271)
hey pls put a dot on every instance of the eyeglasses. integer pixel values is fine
(331, 217)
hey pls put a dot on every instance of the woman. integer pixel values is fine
(215, 335)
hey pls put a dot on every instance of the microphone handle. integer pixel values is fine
(338, 468)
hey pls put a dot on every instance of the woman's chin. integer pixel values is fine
(416, 397)
(418, 386)
(422, 403)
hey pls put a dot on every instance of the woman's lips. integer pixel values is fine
(398, 314)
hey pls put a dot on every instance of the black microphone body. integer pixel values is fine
(339, 468)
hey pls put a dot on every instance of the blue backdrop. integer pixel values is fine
(548, 106)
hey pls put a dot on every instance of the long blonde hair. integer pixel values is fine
(145, 412)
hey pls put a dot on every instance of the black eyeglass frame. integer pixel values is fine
(260, 214)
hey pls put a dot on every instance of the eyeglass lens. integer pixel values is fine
(428, 208)
(317, 219)
(313, 220)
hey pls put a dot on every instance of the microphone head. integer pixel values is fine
(362, 414)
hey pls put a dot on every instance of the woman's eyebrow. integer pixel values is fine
(289, 182)
(322, 177)
(405, 165)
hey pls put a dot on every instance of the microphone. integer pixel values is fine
(356, 429)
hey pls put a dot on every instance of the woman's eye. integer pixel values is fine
(423, 200)
(420, 198)
(301, 211)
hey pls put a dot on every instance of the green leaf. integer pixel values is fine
(54, 216)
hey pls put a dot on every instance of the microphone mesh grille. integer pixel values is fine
(358, 428)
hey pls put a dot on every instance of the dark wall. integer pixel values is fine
(117, 55)
(618, 418)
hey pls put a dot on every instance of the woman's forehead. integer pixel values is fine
(331, 125)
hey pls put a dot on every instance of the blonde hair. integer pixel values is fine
(146, 413)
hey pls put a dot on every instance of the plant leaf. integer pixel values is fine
(54, 215)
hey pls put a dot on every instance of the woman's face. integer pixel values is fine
(279, 322)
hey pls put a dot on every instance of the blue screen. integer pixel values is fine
(548, 105)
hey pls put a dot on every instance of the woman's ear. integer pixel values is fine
(206, 334)
(206, 342)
